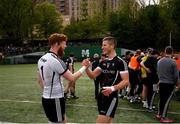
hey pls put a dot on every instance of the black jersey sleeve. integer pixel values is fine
(121, 65)
(101, 64)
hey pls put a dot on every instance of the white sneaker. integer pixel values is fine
(145, 105)
(119, 95)
(132, 99)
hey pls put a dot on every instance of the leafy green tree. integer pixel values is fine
(95, 27)
(167, 25)
(80, 30)
(100, 25)
(14, 22)
(48, 19)
(84, 10)
(175, 6)
(121, 24)
(73, 31)
(148, 25)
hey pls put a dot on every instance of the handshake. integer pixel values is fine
(86, 63)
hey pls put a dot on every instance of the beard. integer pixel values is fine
(60, 52)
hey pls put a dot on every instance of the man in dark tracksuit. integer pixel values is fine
(152, 78)
(168, 77)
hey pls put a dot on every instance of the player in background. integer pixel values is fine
(70, 88)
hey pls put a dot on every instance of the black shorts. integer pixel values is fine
(54, 109)
(152, 79)
(134, 76)
(144, 81)
(107, 104)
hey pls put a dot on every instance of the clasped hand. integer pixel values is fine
(86, 62)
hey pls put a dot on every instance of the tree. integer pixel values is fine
(175, 6)
(167, 24)
(73, 31)
(94, 27)
(85, 30)
(121, 23)
(48, 19)
(15, 16)
(121, 26)
(149, 25)
(84, 10)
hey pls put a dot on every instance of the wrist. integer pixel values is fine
(112, 88)
(82, 69)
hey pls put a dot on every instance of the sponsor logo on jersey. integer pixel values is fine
(108, 71)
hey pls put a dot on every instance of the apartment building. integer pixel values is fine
(81, 9)
(73, 10)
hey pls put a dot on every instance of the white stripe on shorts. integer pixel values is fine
(167, 104)
(111, 107)
(58, 109)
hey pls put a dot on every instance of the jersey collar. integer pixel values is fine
(111, 58)
(53, 53)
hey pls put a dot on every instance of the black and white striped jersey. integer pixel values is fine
(51, 67)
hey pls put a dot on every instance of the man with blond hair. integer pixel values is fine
(114, 76)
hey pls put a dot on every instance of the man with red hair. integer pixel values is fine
(50, 70)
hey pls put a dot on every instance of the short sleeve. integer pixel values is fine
(59, 66)
(100, 65)
(122, 66)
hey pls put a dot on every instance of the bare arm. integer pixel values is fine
(73, 77)
(93, 74)
(40, 81)
(125, 81)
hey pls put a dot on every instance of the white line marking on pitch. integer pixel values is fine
(79, 105)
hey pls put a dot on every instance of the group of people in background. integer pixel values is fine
(135, 76)
(150, 72)
(1, 56)
(11, 50)
(143, 77)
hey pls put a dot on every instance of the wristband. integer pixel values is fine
(82, 69)
(112, 88)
